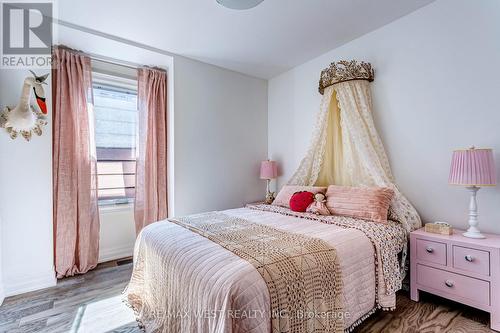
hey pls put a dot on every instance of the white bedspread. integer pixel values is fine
(203, 287)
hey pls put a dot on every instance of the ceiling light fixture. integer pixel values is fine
(239, 4)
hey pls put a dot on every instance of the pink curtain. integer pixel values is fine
(151, 168)
(76, 216)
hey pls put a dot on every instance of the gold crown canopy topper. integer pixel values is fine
(344, 70)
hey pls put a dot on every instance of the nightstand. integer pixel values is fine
(462, 269)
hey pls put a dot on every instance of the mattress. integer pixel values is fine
(183, 282)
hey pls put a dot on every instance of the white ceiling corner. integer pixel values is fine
(263, 41)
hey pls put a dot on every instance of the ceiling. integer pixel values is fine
(263, 42)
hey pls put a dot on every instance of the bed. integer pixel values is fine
(183, 281)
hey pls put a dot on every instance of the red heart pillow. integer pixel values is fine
(301, 200)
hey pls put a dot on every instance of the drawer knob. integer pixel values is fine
(429, 249)
(469, 258)
(449, 283)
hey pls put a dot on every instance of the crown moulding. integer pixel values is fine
(344, 70)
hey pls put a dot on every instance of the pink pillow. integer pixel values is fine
(284, 196)
(369, 203)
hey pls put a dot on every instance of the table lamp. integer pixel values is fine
(268, 171)
(473, 168)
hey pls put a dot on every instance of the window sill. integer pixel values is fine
(106, 209)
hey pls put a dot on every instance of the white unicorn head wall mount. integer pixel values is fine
(25, 118)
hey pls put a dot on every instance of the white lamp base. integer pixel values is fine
(473, 234)
(473, 231)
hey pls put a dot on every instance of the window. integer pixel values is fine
(115, 109)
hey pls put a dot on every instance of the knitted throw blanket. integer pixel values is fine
(388, 239)
(302, 273)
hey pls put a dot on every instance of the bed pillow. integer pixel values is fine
(369, 203)
(284, 196)
(301, 200)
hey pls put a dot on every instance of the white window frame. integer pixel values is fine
(125, 83)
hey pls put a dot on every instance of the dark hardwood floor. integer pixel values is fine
(91, 303)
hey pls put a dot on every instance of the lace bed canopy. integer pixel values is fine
(346, 148)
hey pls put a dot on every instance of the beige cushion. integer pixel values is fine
(369, 203)
(283, 197)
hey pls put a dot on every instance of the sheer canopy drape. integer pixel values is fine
(151, 166)
(356, 157)
(76, 217)
(333, 170)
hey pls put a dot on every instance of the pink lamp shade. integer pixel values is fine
(473, 167)
(268, 170)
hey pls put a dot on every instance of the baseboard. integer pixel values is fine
(116, 253)
(26, 284)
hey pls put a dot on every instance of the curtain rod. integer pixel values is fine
(113, 61)
(123, 63)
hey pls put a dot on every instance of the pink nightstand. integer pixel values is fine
(462, 269)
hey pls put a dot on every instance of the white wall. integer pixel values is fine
(117, 233)
(437, 79)
(218, 140)
(25, 198)
(218, 125)
(220, 137)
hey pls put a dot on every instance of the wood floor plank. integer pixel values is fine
(56, 309)
(91, 303)
(33, 327)
(15, 313)
(431, 315)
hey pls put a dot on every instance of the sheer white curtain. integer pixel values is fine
(310, 166)
(364, 160)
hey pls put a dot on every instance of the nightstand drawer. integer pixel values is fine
(463, 287)
(471, 260)
(430, 251)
